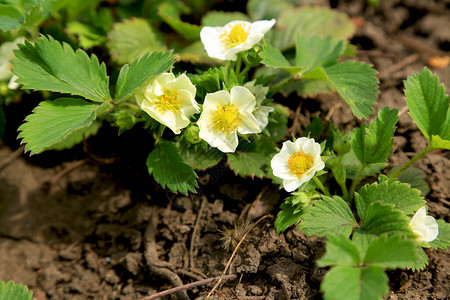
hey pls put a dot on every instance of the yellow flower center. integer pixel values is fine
(226, 118)
(236, 36)
(168, 101)
(299, 163)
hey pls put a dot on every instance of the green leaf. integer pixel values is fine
(442, 242)
(133, 38)
(267, 9)
(427, 102)
(171, 15)
(77, 137)
(354, 81)
(288, 216)
(350, 283)
(9, 17)
(362, 241)
(315, 51)
(438, 143)
(168, 168)
(278, 120)
(213, 80)
(415, 177)
(88, 36)
(48, 65)
(199, 158)
(195, 53)
(340, 251)
(374, 144)
(13, 291)
(273, 58)
(384, 218)
(394, 192)
(311, 20)
(52, 121)
(352, 166)
(134, 75)
(339, 218)
(220, 18)
(421, 262)
(392, 252)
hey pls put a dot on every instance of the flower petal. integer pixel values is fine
(291, 185)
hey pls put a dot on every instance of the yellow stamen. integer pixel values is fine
(168, 101)
(299, 163)
(226, 118)
(237, 35)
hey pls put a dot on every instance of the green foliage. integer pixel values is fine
(200, 156)
(392, 252)
(25, 13)
(273, 58)
(278, 120)
(252, 158)
(438, 142)
(421, 261)
(134, 75)
(340, 251)
(9, 17)
(77, 137)
(384, 218)
(171, 15)
(442, 242)
(391, 191)
(373, 144)
(220, 18)
(267, 9)
(48, 65)
(213, 80)
(288, 215)
(54, 121)
(314, 51)
(339, 218)
(350, 283)
(310, 20)
(415, 177)
(133, 38)
(428, 104)
(88, 36)
(352, 166)
(13, 291)
(169, 170)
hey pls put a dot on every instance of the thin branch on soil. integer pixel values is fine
(189, 286)
(66, 171)
(195, 231)
(189, 274)
(295, 128)
(11, 157)
(374, 53)
(233, 254)
(445, 202)
(398, 66)
(155, 265)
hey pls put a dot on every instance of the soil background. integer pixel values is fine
(92, 224)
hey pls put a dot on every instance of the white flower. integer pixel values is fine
(237, 36)
(169, 100)
(226, 113)
(297, 162)
(424, 227)
(6, 54)
(261, 113)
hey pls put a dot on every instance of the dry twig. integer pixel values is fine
(11, 157)
(195, 231)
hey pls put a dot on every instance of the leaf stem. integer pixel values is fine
(355, 184)
(238, 65)
(321, 187)
(277, 87)
(409, 163)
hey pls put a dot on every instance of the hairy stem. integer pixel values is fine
(277, 87)
(355, 184)
(321, 187)
(413, 160)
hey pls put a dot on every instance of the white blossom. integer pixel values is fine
(224, 115)
(237, 36)
(297, 162)
(261, 112)
(169, 100)
(424, 227)
(6, 54)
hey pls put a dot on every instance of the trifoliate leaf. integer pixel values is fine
(289, 215)
(134, 75)
(273, 58)
(133, 38)
(393, 252)
(316, 51)
(88, 36)
(351, 283)
(171, 15)
(9, 17)
(401, 195)
(267, 9)
(427, 102)
(48, 65)
(340, 251)
(12, 291)
(220, 18)
(77, 137)
(373, 144)
(415, 177)
(442, 242)
(339, 218)
(199, 157)
(169, 170)
(53, 121)
(421, 260)
(310, 20)
(352, 166)
(362, 241)
(384, 218)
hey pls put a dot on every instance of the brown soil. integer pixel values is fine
(90, 229)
